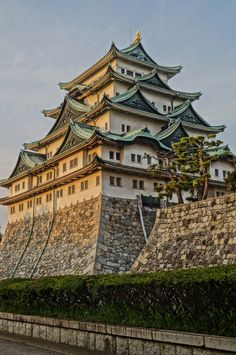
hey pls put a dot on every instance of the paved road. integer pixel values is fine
(17, 345)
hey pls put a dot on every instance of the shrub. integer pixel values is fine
(198, 300)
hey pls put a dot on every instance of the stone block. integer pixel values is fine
(167, 349)
(35, 331)
(43, 332)
(56, 335)
(182, 350)
(21, 328)
(49, 332)
(15, 327)
(80, 338)
(151, 348)
(10, 326)
(220, 343)
(135, 347)
(122, 346)
(89, 340)
(99, 342)
(202, 352)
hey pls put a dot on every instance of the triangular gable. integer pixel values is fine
(172, 134)
(76, 134)
(134, 98)
(191, 116)
(186, 113)
(137, 51)
(26, 161)
(155, 80)
(70, 111)
(19, 168)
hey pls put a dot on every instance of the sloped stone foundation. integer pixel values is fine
(193, 235)
(101, 235)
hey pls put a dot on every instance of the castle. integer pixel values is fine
(90, 168)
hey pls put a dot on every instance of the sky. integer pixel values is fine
(47, 41)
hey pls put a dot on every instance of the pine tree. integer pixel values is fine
(188, 168)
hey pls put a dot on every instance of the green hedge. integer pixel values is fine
(198, 300)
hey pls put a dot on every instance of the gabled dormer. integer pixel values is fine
(187, 115)
(135, 99)
(172, 133)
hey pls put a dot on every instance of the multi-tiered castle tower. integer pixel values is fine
(114, 113)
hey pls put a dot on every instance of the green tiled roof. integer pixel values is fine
(137, 51)
(221, 151)
(28, 160)
(85, 131)
(186, 113)
(135, 99)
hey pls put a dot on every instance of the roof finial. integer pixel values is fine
(137, 38)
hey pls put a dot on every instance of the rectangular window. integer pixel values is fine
(71, 190)
(21, 207)
(29, 204)
(138, 184)
(49, 175)
(73, 163)
(217, 172)
(149, 160)
(97, 180)
(224, 173)
(117, 155)
(17, 188)
(123, 128)
(38, 201)
(48, 197)
(112, 181)
(118, 182)
(135, 184)
(130, 72)
(128, 128)
(40, 179)
(139, 158)
(141, 185)
(169, 108)
(117, 93)
(122, 70)
(64, 167)
(13, 210)
(164, 108)
(111, 155)
(84, 185)
(106, 126)
(133, 157)
(138, 75)
(23, 185)
(57, 172)
(59, 193)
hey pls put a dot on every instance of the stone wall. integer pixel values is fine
(117, 340)
(121, 236)
(101, 235)
(197, 234)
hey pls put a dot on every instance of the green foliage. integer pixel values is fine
(230, 179)
(188, 168)
(197, 300)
